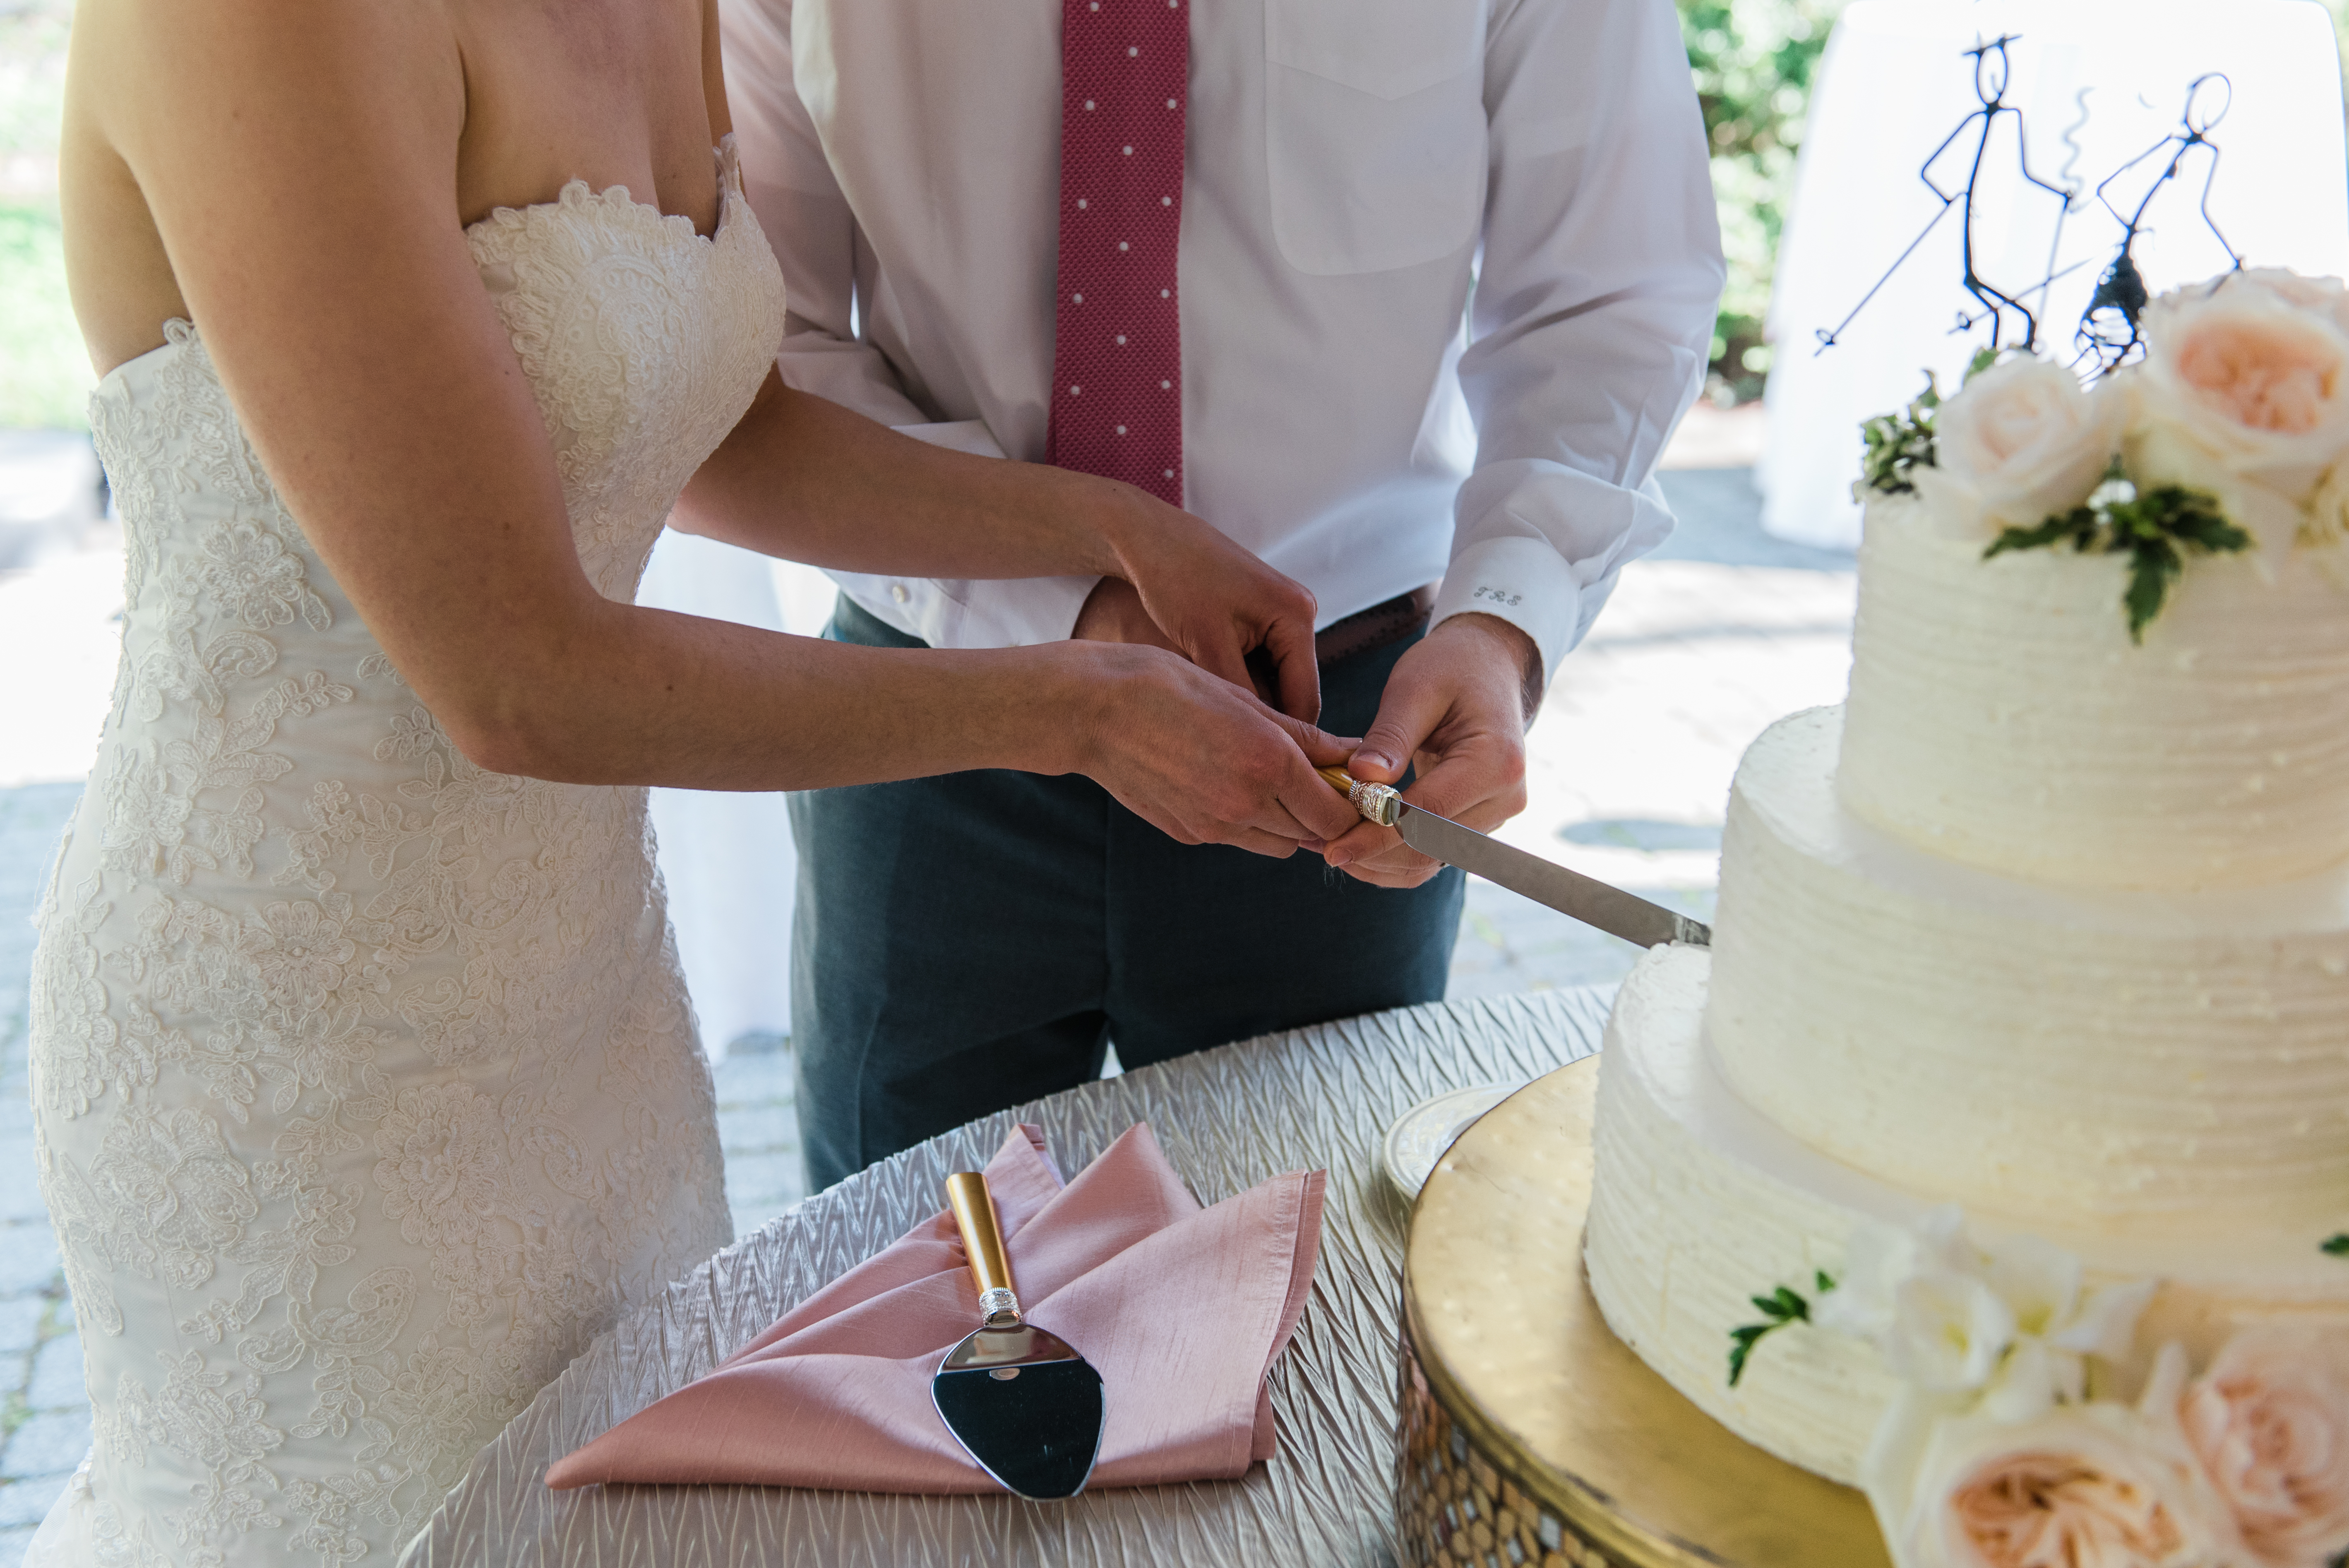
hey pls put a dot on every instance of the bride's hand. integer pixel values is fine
(1182, 585)
(1203, 760)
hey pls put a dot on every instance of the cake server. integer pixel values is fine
(1018, 1399)
(1586, 899)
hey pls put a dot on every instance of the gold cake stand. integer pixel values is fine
(1530, 1433)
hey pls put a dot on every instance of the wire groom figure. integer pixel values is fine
(1993, 70)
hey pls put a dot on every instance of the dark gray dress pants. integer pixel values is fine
(969, 942)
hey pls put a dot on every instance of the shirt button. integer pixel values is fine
(897, 592)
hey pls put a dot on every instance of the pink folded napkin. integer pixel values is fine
(1181, 1309)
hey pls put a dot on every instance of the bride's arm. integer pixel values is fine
(299, 162)
(802, 478)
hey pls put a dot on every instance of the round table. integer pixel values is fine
(1227, 1118)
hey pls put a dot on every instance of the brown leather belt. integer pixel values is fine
(1379, 626)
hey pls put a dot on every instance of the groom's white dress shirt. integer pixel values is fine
(1447, 277)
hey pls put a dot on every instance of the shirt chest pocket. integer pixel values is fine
(1375, 130)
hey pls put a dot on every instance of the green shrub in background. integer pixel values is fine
(44, 375)
(1754, 61)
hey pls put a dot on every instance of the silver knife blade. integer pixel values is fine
(1586, 899)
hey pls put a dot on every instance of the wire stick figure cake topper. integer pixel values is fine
(1992, 71)
(2110, 332)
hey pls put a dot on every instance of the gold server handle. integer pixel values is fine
(1377, 802)
(982, 1242)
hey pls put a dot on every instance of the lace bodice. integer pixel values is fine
(366, 1089)
(639, 339)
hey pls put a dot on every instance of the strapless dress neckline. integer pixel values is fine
(574, 194)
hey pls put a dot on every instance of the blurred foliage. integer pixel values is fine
(32, 73)
(1753, 62)
(45, 374)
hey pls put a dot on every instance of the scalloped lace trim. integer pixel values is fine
(577, 194)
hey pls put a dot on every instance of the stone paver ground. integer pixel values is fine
(44, 1413)
(1704, 645)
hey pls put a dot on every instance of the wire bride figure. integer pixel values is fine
(2110, 332)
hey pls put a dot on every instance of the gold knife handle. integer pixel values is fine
(1377, 803)
(982, 1243)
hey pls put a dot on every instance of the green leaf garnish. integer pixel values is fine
(2153, 566)
(2337, 1247)
(1779, 1308)
(1895, 443)
(2147, 527)
(2078, 525)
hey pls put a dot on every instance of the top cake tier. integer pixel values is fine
(2001, 714)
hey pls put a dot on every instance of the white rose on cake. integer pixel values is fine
(1879, 1259)
(2019, 443)
(2244, 394)
(2326, 531)
(2010, 1326)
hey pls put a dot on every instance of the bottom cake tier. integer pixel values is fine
(1701, 1204)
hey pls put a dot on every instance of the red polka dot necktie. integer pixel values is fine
(1117, 360)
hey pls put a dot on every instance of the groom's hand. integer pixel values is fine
(1182, 585)
(1113, 613)
(1456, 708)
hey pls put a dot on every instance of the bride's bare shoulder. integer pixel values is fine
(214, 125)
(165, 100)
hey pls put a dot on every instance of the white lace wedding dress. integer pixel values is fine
(366, 1087)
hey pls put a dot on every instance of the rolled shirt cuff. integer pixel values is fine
(1525, 581)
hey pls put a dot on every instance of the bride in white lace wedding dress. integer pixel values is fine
(366, 1089)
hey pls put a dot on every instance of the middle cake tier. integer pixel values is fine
(2172, 1064)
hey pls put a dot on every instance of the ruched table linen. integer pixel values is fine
(1228, 1119)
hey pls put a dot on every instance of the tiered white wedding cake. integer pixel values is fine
(1995, 1158)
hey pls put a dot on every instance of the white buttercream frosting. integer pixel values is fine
(1701, 1204)
(2162, 1062)
(2000, 716)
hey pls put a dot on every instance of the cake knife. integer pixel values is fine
(1586, 899)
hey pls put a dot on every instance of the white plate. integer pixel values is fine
(1421, 1135)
